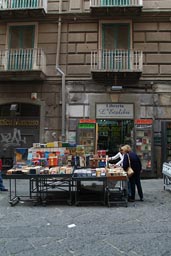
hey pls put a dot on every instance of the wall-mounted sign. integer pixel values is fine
(19, 122)
(143, 121)
(87, 121)
(86, 126)
(115, 111)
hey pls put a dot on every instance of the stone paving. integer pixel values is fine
(142, 228)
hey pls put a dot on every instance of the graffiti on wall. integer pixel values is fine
(13, 139)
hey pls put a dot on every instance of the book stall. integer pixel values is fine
(61, 172)
(48, 169)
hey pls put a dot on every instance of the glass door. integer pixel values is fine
(116, 45)
(21, 46)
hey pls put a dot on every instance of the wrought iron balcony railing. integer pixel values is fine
(22, 60)
(116, 60)
(23, 4)
(116, 3)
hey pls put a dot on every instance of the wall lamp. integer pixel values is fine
(116, 88)
(13, 107)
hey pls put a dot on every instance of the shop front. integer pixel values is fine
(19, 128)
(115, 126)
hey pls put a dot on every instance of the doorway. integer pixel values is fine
(114, 133)
(116, 46)
(21, 45)
(19, 128)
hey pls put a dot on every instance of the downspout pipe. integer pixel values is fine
(63, 128)
(63, 103)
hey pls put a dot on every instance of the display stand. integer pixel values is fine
(42, 188)
(87, 132)
(45, 188)
(144, 144)
(51, 188)
(91, 193)
(117, 190)
(166, 170)
(15, 195)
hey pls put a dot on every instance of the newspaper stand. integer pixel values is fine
(166, 170)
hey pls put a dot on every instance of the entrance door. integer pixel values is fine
(21, 46)
(114, 133)
(116, 45)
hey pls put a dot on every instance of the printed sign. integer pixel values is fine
(143, 121)
(115, 110)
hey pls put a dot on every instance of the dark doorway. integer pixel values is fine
(114, 133)
(19, 128)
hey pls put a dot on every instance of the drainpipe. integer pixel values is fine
(63, 102)
(61, 73)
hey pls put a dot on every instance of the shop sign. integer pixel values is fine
(86, 126)
(21, 122)
(143, 121)
(115, 110)
(87, 121)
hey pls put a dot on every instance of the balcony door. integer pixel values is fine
(21, 47)
(116, 45)
(115, 2)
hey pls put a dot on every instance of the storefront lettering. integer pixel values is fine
(9, 139)
(114, 111)
(11, 122)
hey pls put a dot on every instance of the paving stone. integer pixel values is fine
(142, 228)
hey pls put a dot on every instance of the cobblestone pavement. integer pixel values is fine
(142, 228)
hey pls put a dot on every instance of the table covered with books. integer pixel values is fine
(69, 184)
(42, 184)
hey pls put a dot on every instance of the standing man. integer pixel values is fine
(2, 187)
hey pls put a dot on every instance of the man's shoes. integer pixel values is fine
(3, 189)
(141, 199)
(131, 200)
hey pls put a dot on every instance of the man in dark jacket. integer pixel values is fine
(137, 167)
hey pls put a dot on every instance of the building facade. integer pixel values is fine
(66, 60)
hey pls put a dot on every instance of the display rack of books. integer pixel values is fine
(166, 141)
(143, 138)
(87, 135)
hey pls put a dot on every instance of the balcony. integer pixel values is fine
(117, 65)
(115, 7)
(22, 65)
(22, 8)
